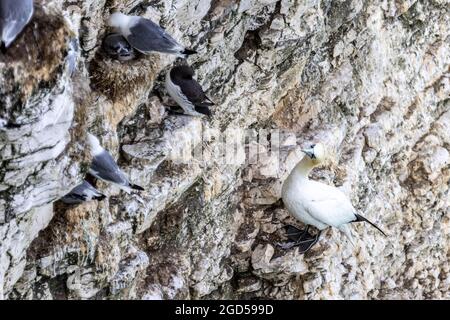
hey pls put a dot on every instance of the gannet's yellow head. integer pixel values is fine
(315, 154)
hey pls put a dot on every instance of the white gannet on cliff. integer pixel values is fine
(315, 203)
(81, 193)
(146, 36)
(14, 16)
(105, 168)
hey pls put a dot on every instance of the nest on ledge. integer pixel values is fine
(116, 79)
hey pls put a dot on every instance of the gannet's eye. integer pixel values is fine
(312, 146)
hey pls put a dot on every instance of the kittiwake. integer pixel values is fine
(105, 168)
(146, 36)
(14, 16)
(117, 47)
(81, 193)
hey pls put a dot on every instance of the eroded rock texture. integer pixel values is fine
(368, 78)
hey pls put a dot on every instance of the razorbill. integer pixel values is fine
(186, 91)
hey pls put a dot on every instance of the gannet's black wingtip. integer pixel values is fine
(361, 218)
(136, 187)
(188, 52)
(100, 198)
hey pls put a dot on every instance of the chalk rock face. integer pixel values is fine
(369, 79)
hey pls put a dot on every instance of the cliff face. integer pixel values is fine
(370, 79)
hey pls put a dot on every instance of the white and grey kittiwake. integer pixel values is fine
(105, 168)
(315, 203)
(14, 16)
(186, 91)
(117, 47)
(146, 36)
(72, 56)
(81, 193)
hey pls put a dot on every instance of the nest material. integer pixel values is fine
(116, 79)
(35, 58)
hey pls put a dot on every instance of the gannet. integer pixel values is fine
(315, 203)
(105, 168)
(81, 193)
(146, 36)
(186, 91)
(14, 16)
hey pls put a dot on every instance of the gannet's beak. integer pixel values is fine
(309, 152)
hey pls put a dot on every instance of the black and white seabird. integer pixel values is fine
(105, 168)
(81, 193)
(14, 16)
(146, 36)
(315, 203)
(186, 91)
(117, 47)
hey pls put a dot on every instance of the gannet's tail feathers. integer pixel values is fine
(136, 187)
(361, 218)
(345, 229)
